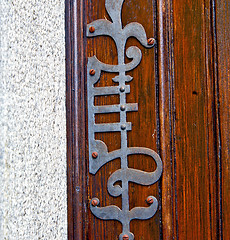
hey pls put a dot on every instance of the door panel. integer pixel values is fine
(195, 109)
(182, 90)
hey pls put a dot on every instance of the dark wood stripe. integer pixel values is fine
(222, 49)
(76, 120)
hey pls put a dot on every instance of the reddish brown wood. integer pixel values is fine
(196, 122)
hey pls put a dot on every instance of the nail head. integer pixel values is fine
(122, 89)
(92, 72)
(94, 154)
(123, 126)
(151, 41)
(125, 237)
(94, 202)
(122, 107)
(92, 29)
(149, 200)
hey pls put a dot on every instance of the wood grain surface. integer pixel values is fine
(195, 120)
(222, 40)
(182, 91)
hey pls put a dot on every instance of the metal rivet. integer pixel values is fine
(125, 237)
(122, 89)
(122, 107)
(94, 202)
(92, 72)
(151, 41)
(149, 200)
(123, 126)
(94, 154)
(92, 29)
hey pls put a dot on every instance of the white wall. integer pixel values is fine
(32, 122)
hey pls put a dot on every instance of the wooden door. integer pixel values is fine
(182, 89)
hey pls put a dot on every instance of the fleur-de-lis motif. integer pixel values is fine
(98, 152)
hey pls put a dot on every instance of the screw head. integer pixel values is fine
(94, 154)
(123, 126)
(151, 41)
(122, 89)
(92, 29)
(149, 200)
(122, 107)
(92, 72)
(94, 202)
(125, 237)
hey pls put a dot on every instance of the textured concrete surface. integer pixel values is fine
(32, 121)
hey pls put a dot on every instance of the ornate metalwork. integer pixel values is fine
(98, 152)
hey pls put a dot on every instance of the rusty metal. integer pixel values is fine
(150, 200)
(125, 237)
(94, 202)
(125, 174)
(92, 29)
(94, 154)
(151, 41)
(92, 72)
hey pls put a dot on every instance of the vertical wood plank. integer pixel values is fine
(195, 123)
(223, 86)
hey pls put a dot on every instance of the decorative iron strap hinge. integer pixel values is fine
(98, 152)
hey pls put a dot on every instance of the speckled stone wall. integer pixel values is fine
(32, 122)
